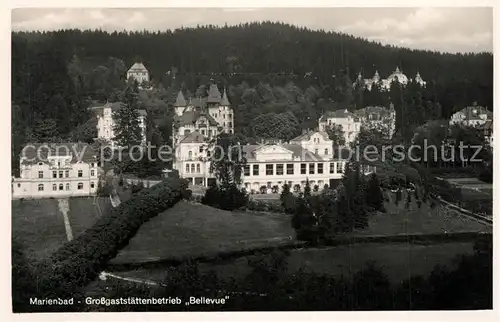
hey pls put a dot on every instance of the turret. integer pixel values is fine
(180, 104)
(224, 101)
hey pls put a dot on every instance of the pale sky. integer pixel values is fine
(444, 29)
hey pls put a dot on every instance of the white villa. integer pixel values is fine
(385, 84)
(350, 123)
(105, 122)
(378, 117)
(307, 157)
(138, 72)
(56, 170)
(208, 116)
(472, 116)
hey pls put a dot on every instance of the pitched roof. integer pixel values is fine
(297, 152)
(193, 137)
(307, 136)
(381, 110)
(180, 100)
(224, 101)
(190, 117)
(342, 113)
(39, 152)
(213, 94)
(138, 67)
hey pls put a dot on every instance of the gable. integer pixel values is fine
(273, 152)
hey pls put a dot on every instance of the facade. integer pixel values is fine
(307, 157)
(350, 123)
(208, 116)
(57, 171)
(138, 72)
(105, 122)
(487, 131)
(378, 117)
(385, 84)
(472, 116)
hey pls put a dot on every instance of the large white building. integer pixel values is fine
(308, 157)
(350, 123)
(56, 170)
(138, 72)
(105, 122)
(208, 116)
(379, 118)
(472, 116)
(385, 84)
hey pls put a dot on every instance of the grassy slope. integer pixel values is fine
(83, 212)
(39, 226)
(401, 221)
(193, 230)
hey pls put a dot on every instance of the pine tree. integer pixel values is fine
(374, 196)
(307, 189)
(127, 130)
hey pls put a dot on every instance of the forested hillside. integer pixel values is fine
(266, 67)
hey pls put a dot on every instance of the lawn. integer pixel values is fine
(397, 260)
(401, 221)
(197, 230)
(83, 212)
(39, 226)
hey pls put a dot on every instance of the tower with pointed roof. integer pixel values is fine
(180, 104)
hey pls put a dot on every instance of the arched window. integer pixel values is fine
(187, 168)
(198, 168)
(192, 168)
(67, 186)
(326, 151)
(54, 187)
(61, 186)
(80, 185)
(190, 154)
(40, 187)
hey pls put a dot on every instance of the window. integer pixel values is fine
(326, 151)
(340, 167)
(80, 173)
(40, 187)
(19, 185)
(67, 186)
(80, 186)
(40, 174)
(279, 169)
(190, 154)
(289, 169)
(303, 168)
(192, 168)
(92, 172)
(332, 167)
(255, 169)
(246, 170)
(58, 163)
(61, 186)
(187, 168)
(92, 185)
(92, 165)
(311, 168)
(60, 174)
(320, 168)
(54, 174)
(202, 132)
(54, 187)
(198, 168)
(66, 173)
(269, 184)
(269, 169)
(230, 124)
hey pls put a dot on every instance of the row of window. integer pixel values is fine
(280, 184)
(280, 169)
(66, 174)
(60, 187)
(191, 168)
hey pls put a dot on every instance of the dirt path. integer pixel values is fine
(64, 209)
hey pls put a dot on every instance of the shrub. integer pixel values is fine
(263, 190)
(326, 187)
(79, 261)
(228, 197)
(275, 189)
(296, 188)
(316, 188)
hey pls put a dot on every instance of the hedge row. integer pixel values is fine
(80, 261)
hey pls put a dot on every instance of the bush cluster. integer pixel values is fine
(80, 261)
(226, 197)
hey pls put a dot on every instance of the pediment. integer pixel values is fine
(272, 149)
